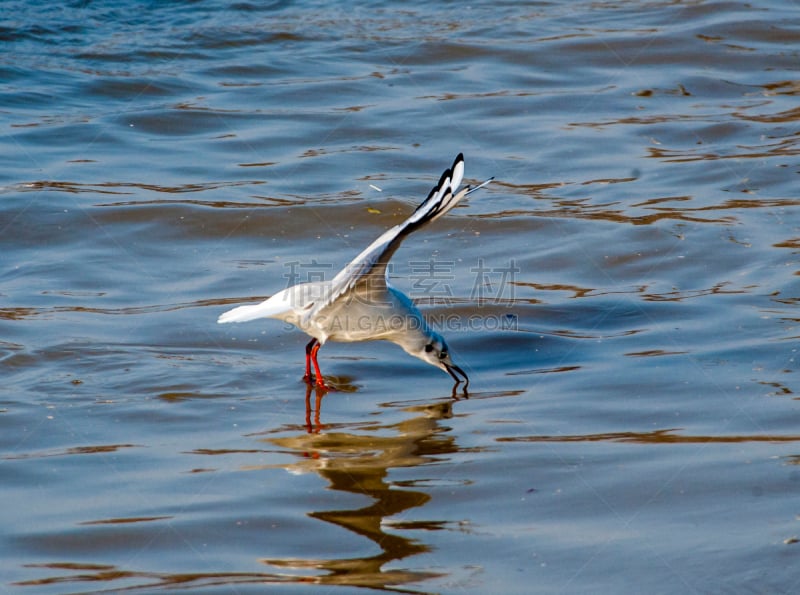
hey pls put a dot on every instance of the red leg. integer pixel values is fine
(314, 350)
(309, 347)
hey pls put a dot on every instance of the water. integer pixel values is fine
(624, 297)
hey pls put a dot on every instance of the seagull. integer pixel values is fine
(359, 303)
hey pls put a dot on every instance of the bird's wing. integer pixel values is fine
(368, 269)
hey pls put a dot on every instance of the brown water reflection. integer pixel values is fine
(666, 436)
(129, 188)
(146, 580)
(360, 464)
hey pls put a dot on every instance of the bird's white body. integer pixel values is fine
(386, 314)
(359, 304)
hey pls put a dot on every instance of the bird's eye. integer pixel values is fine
(443, 354)
(428, 348)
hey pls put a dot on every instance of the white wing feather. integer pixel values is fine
(370, 265)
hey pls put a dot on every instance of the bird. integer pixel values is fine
(359, 303)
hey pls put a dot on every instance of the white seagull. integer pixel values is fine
(359, 303)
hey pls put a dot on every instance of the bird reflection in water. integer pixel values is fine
(360, 463)
(313, 424)
(319, 394)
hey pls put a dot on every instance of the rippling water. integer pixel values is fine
(624, 297)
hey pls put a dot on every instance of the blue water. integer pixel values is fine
(624, 297)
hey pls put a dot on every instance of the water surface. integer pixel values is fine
(624, 297)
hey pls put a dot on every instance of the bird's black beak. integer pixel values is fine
(452, 369)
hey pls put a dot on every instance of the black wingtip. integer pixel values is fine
(445, 174)
(448, 173)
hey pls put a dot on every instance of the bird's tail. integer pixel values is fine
(274, 307)
(241, 314)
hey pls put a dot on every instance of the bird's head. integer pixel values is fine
(434, 350)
